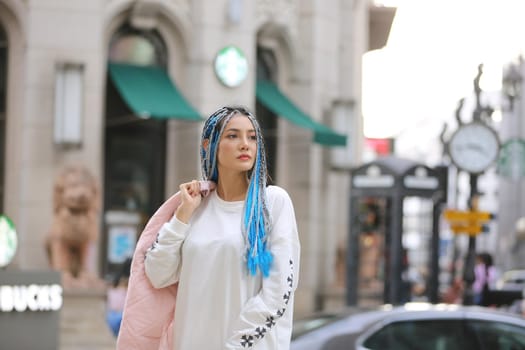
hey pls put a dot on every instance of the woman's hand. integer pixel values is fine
(191, 199)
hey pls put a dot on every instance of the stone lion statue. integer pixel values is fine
(75, 223)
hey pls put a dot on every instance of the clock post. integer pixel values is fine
(468, 273)
(473, 148)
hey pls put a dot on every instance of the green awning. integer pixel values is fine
(272, 98)
(149, 92)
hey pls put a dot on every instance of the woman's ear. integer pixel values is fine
(205, 144)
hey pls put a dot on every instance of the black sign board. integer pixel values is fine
(30, 303)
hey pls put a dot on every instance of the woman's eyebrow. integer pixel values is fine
(238, 130)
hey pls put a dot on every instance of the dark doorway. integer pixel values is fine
(135, 157)
(266, 70)
(135, 152)
(3, 98)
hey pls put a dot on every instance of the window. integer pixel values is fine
(425, 334)
(448, 334)
(497, 335)
(136, 47)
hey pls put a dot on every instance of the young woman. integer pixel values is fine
(234, 253)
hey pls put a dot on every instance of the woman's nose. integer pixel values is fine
(244, 142)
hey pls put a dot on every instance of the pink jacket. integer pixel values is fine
(147, 321)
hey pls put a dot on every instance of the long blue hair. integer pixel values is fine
(256, 223)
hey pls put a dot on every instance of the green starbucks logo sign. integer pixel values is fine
(8, 241)
(511, 162)
(231, 66)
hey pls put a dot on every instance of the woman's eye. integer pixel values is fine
(231, 136)
(253, 138)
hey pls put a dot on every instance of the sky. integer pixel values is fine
(412, 86)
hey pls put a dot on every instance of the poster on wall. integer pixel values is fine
(122, 240)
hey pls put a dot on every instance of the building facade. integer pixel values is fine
(73, 91)
(510, 250)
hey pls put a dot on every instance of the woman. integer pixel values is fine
(485, 278)
(234, 253)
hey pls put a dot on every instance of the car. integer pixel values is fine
(511, 280)
(319, 319)
(416, 326)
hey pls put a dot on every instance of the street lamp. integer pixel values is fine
(511, 82)
(512, 160)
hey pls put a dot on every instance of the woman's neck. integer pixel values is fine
(232, 188)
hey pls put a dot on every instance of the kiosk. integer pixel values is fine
(393, 246)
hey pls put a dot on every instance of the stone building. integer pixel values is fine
(77, 81)
(510, 248)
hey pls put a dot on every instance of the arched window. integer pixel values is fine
(142, 48)
(267, 70)
(3, 97)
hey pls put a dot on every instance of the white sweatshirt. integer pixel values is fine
(219, 304)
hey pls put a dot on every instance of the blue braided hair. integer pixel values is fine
(256, 223)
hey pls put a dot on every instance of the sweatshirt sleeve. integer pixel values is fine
(163, 258)
(271, 310)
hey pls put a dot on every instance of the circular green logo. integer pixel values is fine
(511, 162)
(231, 66)
(8, 241)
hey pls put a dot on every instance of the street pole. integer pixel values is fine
(468, 272)
(469, 275)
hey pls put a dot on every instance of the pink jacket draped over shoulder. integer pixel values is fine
(147, 321)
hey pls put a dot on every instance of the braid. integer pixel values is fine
(256, 221)
(212, 131)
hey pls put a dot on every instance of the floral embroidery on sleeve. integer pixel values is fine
(248, 340)
(153, 245)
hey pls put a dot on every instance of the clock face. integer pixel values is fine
(474, 147)
(231, 66)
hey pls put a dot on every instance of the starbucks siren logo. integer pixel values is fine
(511, 162)
(8, 241)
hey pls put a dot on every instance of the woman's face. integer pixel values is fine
(237, 146)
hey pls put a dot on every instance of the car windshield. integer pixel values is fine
(447, 334)
(304, 326)
(319, 320)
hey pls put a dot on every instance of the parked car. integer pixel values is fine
(512, 280)
(416, 326)
(318, 320)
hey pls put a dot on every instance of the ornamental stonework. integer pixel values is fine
(182, 6)
(284, 12)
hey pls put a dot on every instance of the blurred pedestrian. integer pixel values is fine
(233, 255)
(116, 296)
(485, 277)
(454, 293)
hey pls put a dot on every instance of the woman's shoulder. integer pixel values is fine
(274, 191)
(277, 196)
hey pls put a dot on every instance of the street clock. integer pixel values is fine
(474, 147)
